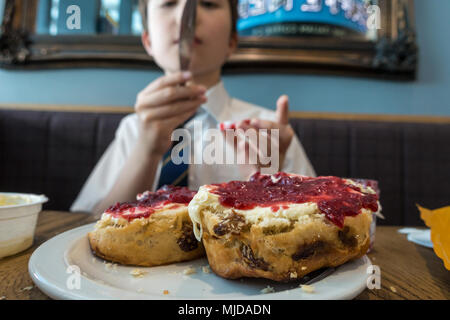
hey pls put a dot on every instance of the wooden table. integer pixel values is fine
(408, 271)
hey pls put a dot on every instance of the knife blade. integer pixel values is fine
(187, 34)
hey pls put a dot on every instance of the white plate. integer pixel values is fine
(49, 264)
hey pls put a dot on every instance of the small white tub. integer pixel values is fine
(18, 217)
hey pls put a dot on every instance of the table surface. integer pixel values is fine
(408, 271)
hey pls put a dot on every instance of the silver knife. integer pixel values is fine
(186, 39)
(187, 34)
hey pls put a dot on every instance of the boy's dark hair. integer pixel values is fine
(233, 8)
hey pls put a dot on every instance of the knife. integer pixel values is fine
(187, 34)
(186, 43)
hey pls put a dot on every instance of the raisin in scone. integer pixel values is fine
(152, 231)
(282, 226)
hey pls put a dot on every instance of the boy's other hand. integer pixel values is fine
(162, 106)
(281, 123)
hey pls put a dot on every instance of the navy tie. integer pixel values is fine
(171, 173)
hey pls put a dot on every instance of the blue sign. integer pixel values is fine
(351, 14)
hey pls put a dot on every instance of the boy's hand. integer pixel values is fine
(282, 123)
(164, 105)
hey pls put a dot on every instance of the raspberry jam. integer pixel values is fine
(335, 198)
(149, 202)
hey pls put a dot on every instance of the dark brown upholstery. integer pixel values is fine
(54, 152)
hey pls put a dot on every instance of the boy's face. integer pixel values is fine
(213, 43)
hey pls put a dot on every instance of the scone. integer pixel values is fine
(282, 226)
(152, 231)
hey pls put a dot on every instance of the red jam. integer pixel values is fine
(276, 208)
(231, 126)
(335, 198)
(224, 126)
(149, 202)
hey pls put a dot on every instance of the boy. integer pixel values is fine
(133, 161)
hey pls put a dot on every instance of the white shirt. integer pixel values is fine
(220, 107)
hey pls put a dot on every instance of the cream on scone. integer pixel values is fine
(154, 230)
(282, 226)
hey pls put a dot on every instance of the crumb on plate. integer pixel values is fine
(307, 288)
(268, 289)
(138, 273)
(190, 270)
(206, 269)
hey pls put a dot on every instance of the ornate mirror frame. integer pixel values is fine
(393, 56)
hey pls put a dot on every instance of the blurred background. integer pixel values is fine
(429, 94)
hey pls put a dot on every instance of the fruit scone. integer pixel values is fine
(154, 230)
(282, 226)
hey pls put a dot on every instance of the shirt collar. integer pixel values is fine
(217, 102)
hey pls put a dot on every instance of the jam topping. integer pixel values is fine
(335, 198)
(150, 202)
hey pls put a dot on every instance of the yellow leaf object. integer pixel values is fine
(439, 222)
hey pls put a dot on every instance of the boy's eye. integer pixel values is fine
(209, 4)
(206, 4)
(168, 4)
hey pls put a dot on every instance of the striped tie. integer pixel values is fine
(171, 173)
